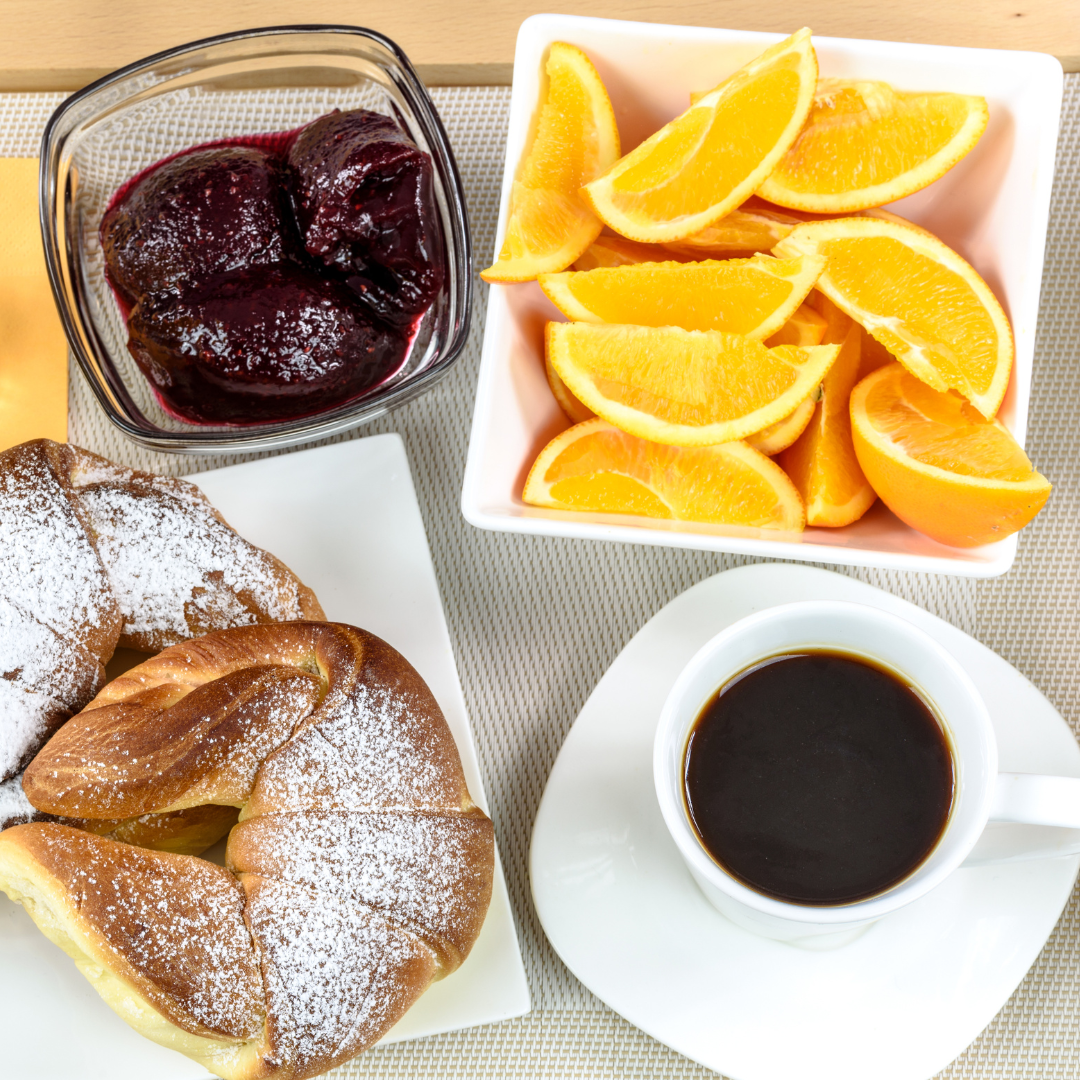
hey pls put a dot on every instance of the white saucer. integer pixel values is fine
(621, 909)
(346, 520)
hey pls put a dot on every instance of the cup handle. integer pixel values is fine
(1049, 803)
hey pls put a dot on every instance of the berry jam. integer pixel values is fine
(270, 277)
(360, 186)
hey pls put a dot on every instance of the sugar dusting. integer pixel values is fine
(54, 591)
(44, 678)
(352, 903)
(370, 749)
(176, 921)
(336, 975)
(177, 571)
(15, 808)
(91, 552)
(423, 870)
(136, 757)
(48, 565)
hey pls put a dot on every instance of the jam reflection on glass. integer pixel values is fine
(270, 277)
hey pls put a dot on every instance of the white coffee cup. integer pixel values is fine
(981, 793)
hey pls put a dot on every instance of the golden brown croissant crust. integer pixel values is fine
(94, 555)
(359, 872)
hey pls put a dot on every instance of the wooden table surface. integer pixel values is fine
(64, 44)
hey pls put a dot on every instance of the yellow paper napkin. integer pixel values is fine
(33, 349)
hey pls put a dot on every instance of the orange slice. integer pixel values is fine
(704, 163)
(618, 251)
(865, 144)
(738, 233)
(940, 465)
(753, 296)
(569, 404)
(881, 214)
(755, 204)
(805, 327)
(575, 140)
(594, 466)
(741, 232)
(683, 387)
(924, 303)
(783, 433)
(874, 355)
(822, 462)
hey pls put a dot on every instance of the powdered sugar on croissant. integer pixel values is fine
(361, 869)
(95, 555)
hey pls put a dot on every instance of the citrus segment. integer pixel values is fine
(704, 163)
(924, 303)
(865, 144)
(753, 296)
(783, 433)
(873, 355)
(755, 204)
(741, 232)
(596, 467)
(822, 462)
(938, 464)
(805, 327)
(618, 251)
(569, 404)
(881, 214)
(576, 139)
(683, 387)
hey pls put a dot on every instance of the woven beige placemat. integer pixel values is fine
(535, 623)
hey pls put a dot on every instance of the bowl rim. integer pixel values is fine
(270, 436)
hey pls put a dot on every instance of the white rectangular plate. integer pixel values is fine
(346, 520)
(992, 208)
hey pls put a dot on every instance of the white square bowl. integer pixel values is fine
(992, 208)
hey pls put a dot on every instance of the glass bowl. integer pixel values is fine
(252, 82)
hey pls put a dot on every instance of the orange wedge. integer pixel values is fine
(618, 251)
(738, 233)
(940, 465)
(575, 140)
(873, 355)
(865, 144)
(594, 466)
(783, 433)
(805, 327)
(822, 462)
(881, 214)
(683, 387)
(569, 404)
(924, 303)
(704, 163)
(753, 296)
(742, 232)
(756, 205)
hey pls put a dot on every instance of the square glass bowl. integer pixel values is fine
(247, 83)
(992, 208)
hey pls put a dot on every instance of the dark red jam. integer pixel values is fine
(359, 182)
(272, 277)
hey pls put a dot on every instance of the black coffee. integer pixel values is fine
(818, 778)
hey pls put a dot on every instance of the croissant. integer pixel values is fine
(94, 555)
(360, 870)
